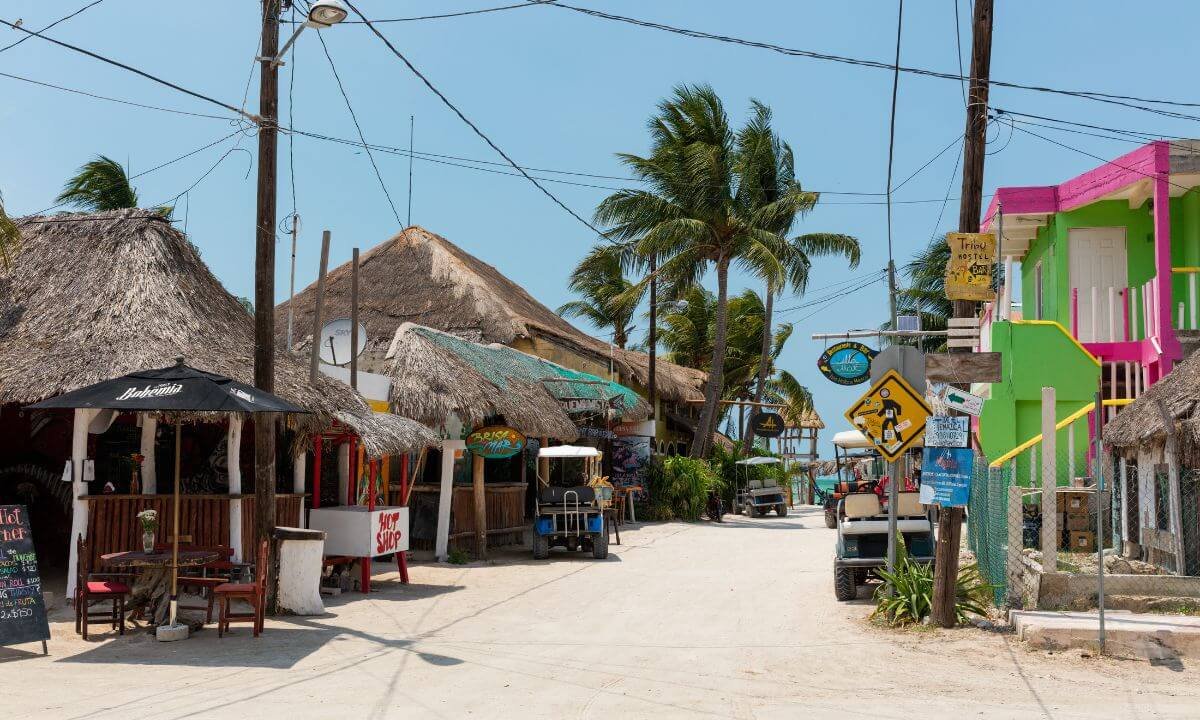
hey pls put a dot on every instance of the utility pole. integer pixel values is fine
(264, 280)
(969, 209)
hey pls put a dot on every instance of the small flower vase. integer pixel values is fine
(148, 541)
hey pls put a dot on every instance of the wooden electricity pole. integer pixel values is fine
(264, 280)
(969, 209)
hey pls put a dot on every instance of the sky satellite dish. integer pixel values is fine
(335, 341)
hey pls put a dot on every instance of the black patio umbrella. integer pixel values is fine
(179, 389)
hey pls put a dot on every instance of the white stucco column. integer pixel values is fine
(79, 508)
(149, 472)
(445, 497)
(299, 463)
(233, 456)
(343, 472)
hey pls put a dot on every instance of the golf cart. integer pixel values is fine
(845, 461)
(862, 537)
(571, 516)
(756, 498)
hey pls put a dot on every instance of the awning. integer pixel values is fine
(852, 439)
(758, 461)
(568, 451)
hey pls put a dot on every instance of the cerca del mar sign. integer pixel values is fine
(495, 441)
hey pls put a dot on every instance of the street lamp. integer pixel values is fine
(321, 14)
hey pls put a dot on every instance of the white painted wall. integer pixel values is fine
(233, 457)
(79, 508)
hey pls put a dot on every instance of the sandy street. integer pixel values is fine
(683, 620)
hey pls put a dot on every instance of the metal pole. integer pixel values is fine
(354, 320)
(1100, 513)
(175, 533)
(315, 359)
(292, 284)
(412, 124)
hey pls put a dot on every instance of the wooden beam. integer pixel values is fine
(480, 507)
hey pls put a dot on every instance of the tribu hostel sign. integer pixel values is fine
(22, 608)
(969, 270)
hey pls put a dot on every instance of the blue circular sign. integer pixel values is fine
(846, 363)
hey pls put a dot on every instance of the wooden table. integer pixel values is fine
(152, 590)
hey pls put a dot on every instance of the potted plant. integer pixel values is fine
(149, 520)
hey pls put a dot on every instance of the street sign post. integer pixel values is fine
(944, 431)
(891, 414)
(962, 401)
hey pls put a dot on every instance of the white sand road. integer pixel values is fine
(736, 620)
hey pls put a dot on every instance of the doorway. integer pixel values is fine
(1098, 260)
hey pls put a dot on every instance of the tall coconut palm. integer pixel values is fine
(10, 236)
(605, 297)
(691, 218)
(769, 186)
(100, 184)
(686, 334)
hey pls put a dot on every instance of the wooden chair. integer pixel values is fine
(205, 579)
(91, 588)
(254, 593)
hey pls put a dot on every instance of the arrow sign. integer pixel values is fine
(963, 401)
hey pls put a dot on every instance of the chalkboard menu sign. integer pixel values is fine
(22, 609)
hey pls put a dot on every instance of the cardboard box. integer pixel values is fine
(1082, 541)
(1075, 501)
(1079, 521)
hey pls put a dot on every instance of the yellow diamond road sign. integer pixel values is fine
(891, 414)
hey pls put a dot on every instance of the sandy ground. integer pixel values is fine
(684, 620)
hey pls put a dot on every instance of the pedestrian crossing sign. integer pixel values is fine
(891, 415)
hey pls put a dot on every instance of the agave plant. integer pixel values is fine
(911, 598)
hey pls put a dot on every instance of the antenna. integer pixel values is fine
(412, 124)
(336, 341)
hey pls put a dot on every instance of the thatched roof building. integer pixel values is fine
(423, 278)
(1140, 423)
(90, 297)
(436, 375)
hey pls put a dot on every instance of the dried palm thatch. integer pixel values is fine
(1140, 422)
(808, 420)
(423, 278)
(93, 296)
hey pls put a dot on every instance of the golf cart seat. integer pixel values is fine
(558, 495)
(908, 505)
(770, 482)
(862, 514)
(754, 485)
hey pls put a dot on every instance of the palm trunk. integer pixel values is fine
(716, 374)
(763, 362)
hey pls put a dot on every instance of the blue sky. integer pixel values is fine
(563, 91)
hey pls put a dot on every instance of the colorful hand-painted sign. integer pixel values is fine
(846, 363)
(946, 476)
(969, 271)
(891, 415)
(495, 441)
(767, 424)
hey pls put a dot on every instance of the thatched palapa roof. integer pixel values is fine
(1141, 423)
(91, 297)
(436, 375)
(420, 277)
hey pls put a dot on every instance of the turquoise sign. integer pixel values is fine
(496, 441)
(846, 363)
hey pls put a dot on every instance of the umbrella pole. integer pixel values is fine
(175, 525)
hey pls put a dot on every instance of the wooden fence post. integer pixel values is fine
(1049, 484)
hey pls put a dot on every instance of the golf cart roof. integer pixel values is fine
(758, 461)
(568, 451)
(852, 439)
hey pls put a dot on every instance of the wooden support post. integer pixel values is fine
(372, 467)
(385, 479)
(79, 489)
(149, 471)
(445, 491)
(1174, 505)
(299, 470)
(480, 507)
(1049, 484)
(233, 455)
(1016, 541)
(343, 460)
(543, 464)
(401, 557)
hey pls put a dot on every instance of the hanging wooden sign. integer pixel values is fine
(767, 424)
(969, 271)
(495, 441)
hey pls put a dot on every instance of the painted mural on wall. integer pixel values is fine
(630, 460)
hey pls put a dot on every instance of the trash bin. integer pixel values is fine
(300, 555)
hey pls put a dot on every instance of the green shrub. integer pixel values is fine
(679, 488)
(457, 556)
(912, 600)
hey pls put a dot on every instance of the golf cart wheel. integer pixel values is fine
(541, 546)
(781, 509)
(600, 545)
(831, 518)
(843, 584)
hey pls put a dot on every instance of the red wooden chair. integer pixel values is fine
(90, 588)
(207, 578)
(254, 593)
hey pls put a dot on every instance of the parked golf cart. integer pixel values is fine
(862, 538)
(754, 497)
(851, 449)
(571, 516)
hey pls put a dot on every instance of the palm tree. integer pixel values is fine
(605, 298)
(100, 184)
(786, 390)
(925, 295)
(769, 186)
(10, 236)
(686, 333)
(691, 218)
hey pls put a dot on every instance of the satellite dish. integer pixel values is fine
(335, 341)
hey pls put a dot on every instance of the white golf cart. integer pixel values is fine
(572, 516)
(862, 538)
(756, 498)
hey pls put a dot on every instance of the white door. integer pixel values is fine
(1097, 257)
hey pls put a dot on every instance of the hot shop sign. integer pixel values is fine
(389, 530)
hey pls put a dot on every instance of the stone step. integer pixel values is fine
(1151, 636)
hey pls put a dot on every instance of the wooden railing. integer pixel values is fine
(505, 515)
(113, 525)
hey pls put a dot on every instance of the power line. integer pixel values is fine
(1112, 98)
(958, 45)
(463, 13)
(133, 70)
(473, 126)
(112, 99)
(64, 18)
(891, 153)
(953, 143)
(358, 128)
